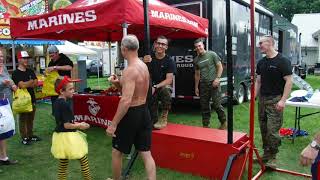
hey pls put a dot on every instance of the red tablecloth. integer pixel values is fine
(95, 109)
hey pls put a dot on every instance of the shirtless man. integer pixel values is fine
(132, 123)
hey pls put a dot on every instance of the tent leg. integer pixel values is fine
(110, 58)
(126, 172)
(230, 85)
(98, 69)
(263, 168)
(227, 170)
(252, 101)
(125, 32)
(13, 55)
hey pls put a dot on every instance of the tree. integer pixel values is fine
(57, 4)
(287, 8)
(263, 2)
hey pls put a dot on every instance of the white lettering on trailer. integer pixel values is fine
(184, 65)
(179, 59)
(183, 61)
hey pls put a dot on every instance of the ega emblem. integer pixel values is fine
(93, 106)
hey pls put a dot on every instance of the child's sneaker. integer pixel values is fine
(8, 162)
(26, 141)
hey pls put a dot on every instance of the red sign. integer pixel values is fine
(95, 109)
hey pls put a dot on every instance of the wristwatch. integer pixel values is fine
(54, 67)
(155, 86)
(315, 145)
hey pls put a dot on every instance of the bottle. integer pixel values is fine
(309, 94)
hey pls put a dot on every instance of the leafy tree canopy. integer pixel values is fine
(287, 8)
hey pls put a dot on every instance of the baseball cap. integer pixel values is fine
(23, 54)
(65, 81)
(52, 49)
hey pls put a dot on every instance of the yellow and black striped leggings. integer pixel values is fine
(63, 165)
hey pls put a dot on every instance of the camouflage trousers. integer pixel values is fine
(162, 95)
(270, 121)
(208, 92)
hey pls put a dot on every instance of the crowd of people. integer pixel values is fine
(144, 85)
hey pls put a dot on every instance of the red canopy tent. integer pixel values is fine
(106, 20)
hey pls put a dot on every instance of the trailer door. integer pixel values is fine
(183, 53)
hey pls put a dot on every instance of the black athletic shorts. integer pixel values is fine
(134, 128)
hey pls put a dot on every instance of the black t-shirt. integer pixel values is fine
(62, 61)
(25, 76)
(63, 114)
(159, 68)
(272, 71)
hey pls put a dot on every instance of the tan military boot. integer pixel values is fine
(205, 123)
(164, 118)
(158, 124)
(265, 157)
(272, 163)
(223, 126)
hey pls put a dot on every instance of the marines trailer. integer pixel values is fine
(183, 53)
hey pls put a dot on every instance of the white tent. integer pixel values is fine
(70, 48)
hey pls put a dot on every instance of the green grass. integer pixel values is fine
(95, 83)
(314, 81)
(37, 163)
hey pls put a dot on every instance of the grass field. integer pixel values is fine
(96, 83)
(37, 163)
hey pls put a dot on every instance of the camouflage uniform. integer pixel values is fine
(272, 72)
(159, 68)
(206, 93)
(206, 64)
(162, 95)
(270, 121)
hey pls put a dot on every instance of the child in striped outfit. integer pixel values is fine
(67, 142)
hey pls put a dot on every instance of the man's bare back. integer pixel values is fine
(132, 124)
(137, 73)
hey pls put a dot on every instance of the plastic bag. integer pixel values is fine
(48, 84)
(7, 126)
(22, 101)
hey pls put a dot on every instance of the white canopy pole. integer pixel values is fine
(98, 69)
(125, 32)
(109, 44)
(13, 55)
